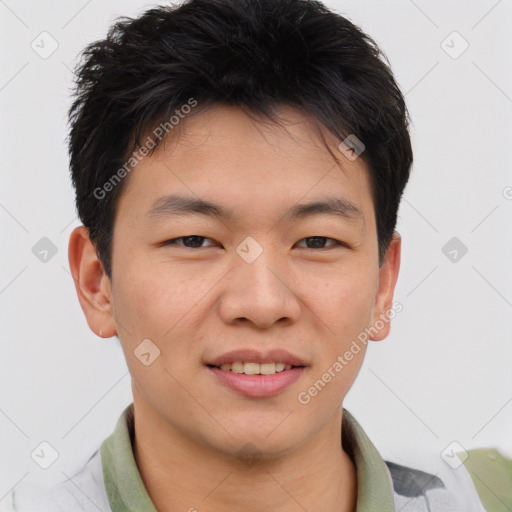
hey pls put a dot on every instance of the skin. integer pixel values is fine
(196, 303)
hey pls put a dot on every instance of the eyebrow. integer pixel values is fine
(176, 205)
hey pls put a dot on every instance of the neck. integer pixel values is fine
(182, 474)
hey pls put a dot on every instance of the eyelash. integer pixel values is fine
(173, 242)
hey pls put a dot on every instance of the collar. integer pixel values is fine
(127, 493)
(374, 484)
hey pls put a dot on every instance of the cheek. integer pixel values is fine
(144, 300)
(344, 304)
(346, 299)
(161, 306)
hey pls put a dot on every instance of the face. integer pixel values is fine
(253, 284)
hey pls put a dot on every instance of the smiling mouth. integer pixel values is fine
(250, 368)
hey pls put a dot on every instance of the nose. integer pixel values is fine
(261, 292)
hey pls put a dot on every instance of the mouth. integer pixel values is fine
(251, 360)
(251, 368)
(257, 375)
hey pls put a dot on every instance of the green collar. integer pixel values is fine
(125, 488)
(374, 484)
(127, 493)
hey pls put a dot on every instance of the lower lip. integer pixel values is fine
(258, 386)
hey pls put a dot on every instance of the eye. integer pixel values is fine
(190, 241)
(318, 242)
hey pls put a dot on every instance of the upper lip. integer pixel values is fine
(258, 356)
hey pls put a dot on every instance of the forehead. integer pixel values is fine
(224, 156)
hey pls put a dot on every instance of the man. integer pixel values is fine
(238, 167)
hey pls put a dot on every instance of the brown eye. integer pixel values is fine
(190, 241)
(318, 242)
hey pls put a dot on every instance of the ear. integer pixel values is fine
(388, 276)
(92, 284)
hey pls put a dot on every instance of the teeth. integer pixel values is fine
(255, 368)
(237, 367)
(267, 368)
(251, 368)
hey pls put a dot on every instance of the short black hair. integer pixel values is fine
(255, 54)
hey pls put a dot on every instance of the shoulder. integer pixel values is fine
(83, 492)
(431, 484)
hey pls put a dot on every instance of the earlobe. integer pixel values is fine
(388, 276)
(91, 283)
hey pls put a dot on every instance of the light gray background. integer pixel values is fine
(444, 372)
